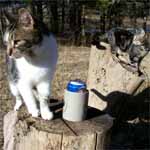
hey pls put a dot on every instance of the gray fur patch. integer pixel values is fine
(13, 74)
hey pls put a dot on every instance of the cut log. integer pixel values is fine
(107, 76)
(22, 132)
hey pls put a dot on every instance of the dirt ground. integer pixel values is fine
(72, 64)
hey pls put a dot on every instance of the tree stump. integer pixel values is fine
(22, 132)
(106, 76)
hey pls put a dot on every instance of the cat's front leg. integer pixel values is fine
(14, 90)
(26, 92)
(19, 102)
(44, 95)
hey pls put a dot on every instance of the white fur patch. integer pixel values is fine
(42, 66)
(6, 37)
(34, 71)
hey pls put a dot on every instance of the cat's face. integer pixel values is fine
(123, 39)
(21, 35)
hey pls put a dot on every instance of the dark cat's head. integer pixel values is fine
(123, 39)
(23, 33)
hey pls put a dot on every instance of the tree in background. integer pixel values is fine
(103, 6)
(62, 16)
(131, 9)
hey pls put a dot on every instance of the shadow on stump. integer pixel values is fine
(132, 119)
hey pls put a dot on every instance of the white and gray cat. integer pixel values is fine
(32, 57)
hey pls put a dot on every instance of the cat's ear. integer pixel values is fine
(25, 19)
(6, 21)
(7, 18)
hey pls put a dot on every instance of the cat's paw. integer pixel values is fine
(47, 114)
(35, 113)
(17, 105)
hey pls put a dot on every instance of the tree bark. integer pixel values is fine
(54, 23)
(39, 11)
(63, 15)
(22, 132)
(107, 77)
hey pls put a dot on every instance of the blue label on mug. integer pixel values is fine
(75, 86)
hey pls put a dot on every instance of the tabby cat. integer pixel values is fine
(32, 58)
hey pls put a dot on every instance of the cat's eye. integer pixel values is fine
(16, 41)
(19, 42)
